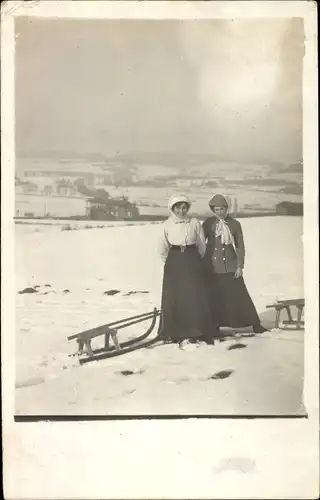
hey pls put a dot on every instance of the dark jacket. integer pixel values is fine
(223, 258)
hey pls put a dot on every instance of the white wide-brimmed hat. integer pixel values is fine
(178, 199)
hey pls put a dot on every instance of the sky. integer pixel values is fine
(226, 87)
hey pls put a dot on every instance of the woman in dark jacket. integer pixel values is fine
(225, 252)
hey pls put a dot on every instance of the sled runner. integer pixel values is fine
(281, 305)
(111, 330)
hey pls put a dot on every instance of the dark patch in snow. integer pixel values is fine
(28, 290)
(237, 346)
(130, 372)
(48, 285)
(66, 291)
(221, 375)
(36, 286)
(111, 292)
(133, 292)
(126, 372)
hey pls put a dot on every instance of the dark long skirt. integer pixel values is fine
(185, 304)
(231, 302)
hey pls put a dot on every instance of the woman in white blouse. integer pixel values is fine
(185, 306)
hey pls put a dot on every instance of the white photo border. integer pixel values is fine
(207, 458)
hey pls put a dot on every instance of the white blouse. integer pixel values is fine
(181, 232)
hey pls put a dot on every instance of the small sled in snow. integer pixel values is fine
(282, 305)
(110, 330)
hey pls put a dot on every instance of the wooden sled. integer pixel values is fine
(111, 330)
(286, 305)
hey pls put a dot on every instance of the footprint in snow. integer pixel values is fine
(130, 372)
(28, 290)
(237, 346)
(221, 375)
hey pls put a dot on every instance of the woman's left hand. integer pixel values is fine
(238, 272)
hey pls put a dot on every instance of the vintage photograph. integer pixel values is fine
(159, 217)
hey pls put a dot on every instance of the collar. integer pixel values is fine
(226, 220)
(176, 220)
(181, 221)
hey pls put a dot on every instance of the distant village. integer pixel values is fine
(77, 194)
(68, 194)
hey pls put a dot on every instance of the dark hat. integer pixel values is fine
(218, 200)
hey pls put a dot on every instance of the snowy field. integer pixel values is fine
(72, 270)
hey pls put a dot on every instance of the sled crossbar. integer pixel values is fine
(286, 305)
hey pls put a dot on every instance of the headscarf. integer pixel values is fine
(173, 201)
(220, 200)
(222, 228)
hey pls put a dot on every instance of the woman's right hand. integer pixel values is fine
(238, 273)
